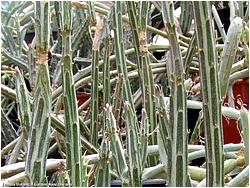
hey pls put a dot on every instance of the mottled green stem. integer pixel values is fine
(210, 94)
(103, 177)
(71, 119)
(164, 134)
(186, 16)
(118, 154)
(144, 70)
(117, 102)
(38, 140)
(190, 54)
(133, 147)
(94, 85)
(178, 104)
(23, 103)
(144, 131)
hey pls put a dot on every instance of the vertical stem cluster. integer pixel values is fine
(134, 156)
(38, 140)
(144, 70)
(210, 93)
(75, 162)
(178, 106)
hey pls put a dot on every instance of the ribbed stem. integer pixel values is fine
(133, 147)
(38, 140)
(116, 148)
(164, 133)
(190, 54)
(178, 106)
(94, 85)
(144, 131)
(117, 102)
(103, 177)
(23, 103)
(120, 55)
(71, 119)
(91, 10)
(144, 70)
(186, 16)
(210, 94)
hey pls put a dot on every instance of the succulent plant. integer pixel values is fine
(133, 129)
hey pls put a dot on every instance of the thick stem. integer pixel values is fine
(71, 120)
(40, 124)
(210, 93)
(178, 109)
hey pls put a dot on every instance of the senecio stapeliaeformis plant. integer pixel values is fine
(134, 128)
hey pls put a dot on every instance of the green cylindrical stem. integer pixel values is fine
(103, 177)
(229, 52)
(164, 134)
(133, 148)
(23, 102)
(116, 148)
(178, 104)
(190, 54)
(144, 131)
(38, 140)
(71, 119)
(94, 85)
(144, 70)
(186, 16)
(106, 68)
(210, 93)
(117, 102)
(91, 10)
(120, 55)
(131, 6)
